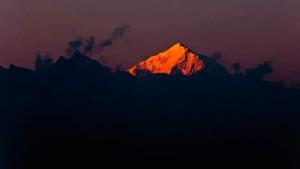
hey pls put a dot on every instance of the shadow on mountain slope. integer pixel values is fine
(76, 112)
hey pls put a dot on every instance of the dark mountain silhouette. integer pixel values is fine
(78, 63)
(75, 112)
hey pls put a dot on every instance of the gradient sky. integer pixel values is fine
(245, 31)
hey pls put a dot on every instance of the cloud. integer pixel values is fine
(117, 34)
(89, 45)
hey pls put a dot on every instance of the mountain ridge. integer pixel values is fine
(178, 59)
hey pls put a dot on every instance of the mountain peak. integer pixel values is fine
(179, 44)
(176, 60)
(177, 47)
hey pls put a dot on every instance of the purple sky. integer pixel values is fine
(245, 31)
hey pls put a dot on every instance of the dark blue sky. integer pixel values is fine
(246, 31)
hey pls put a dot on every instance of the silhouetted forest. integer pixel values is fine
(75, 112)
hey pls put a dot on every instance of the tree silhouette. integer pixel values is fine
(236, 68)
(43, 62)
(259, 72)
(74, 45)
(90, 45)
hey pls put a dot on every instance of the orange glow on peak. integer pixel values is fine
(176, 60)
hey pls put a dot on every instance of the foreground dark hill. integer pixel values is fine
(76, 112)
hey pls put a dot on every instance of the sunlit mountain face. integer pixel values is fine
(176, 60)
